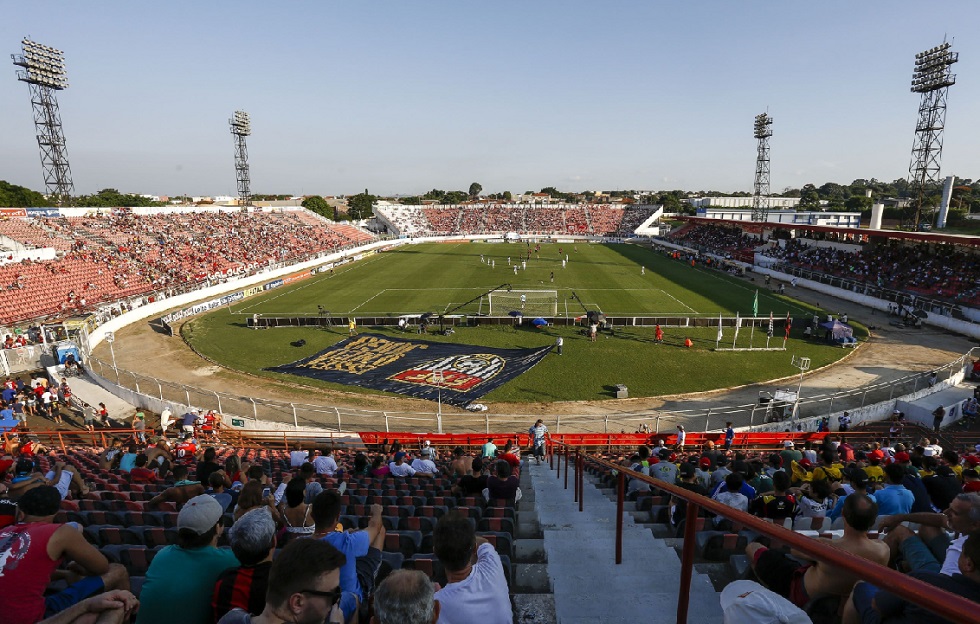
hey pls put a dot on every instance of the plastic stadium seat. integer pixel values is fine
(405, 542)
(431, 511)
(499, 525)
(718, 545)
(503, 543)
(423, 524)
(428, 564)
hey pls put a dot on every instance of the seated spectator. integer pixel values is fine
(253, 541)
(778, 505)
(472, 484)
(423, 465)
(181, 492)
(31, 553)
(729, 494)
(398, 468)
(930, 549)
(816, 499)
(859, 484)
(379, 468)
(140, 473)
(325, 464)
(405, 597)
(295, 511)
(476, 589)
(462, 463)
(298, 456)
(361, 466)
(207, 465)
(128, 459)
(253, 496)
(112, 607)
(184, 574)
(511, 456)
(869, 604)
(894, 498)
(799, 582)
(689, 481)
(159, 457)
(502, 485)
(110, 457)
(217, 490)
(943, 487)
(303, 587)
(64, 478)
(361, 549)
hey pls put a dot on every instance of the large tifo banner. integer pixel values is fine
(412, 367)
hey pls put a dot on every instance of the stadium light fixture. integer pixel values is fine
(762, 130)
(241, 127)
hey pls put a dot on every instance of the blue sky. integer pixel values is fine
(402, 97)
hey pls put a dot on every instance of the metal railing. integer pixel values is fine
(951, 606)
(156, 391)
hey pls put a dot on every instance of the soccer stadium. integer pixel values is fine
(521, 410)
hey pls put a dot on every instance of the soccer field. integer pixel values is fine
(436, 277)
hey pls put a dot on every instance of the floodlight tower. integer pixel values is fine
(760, 196)
(44, 72)
(931, 78)
(241, 127)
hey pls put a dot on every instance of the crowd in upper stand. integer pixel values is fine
(577, 219)
(723, 240)
(112, 257)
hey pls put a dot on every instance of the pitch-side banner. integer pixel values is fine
(413, 367)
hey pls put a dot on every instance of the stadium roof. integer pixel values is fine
(918, 237)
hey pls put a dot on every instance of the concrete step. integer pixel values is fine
(534, 609)
(530, 578)
(528, 527)
(529, 551)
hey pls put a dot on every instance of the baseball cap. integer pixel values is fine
(788, 443)
(858, 477)
(902, 457)
(199, 514)
(747, 602)
(687, 470)
(973, 460)
(705, 462)
(806, 463)
(399, 455)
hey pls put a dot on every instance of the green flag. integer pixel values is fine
(755, 304)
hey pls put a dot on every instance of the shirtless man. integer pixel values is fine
(462, 464)
(159, 457)
(181, 492)
(801, 583)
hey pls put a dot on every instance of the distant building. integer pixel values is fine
(786, 217)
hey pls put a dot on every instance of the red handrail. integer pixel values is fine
(945, 604)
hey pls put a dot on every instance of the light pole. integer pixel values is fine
(110, 337)
(802, 363)
(438, 377)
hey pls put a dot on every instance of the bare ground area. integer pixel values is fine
(889, 354)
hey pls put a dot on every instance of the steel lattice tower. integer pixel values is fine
(241, 127)
(760, 193)
(931, 78)
(44, 72)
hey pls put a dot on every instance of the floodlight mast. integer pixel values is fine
(760, 195)
(241, 127)
(44, 73)
(931, 78)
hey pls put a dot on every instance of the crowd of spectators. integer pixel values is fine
(122, 254)
(304, 536)
(719, 239)
(867, 495)
(577, 219)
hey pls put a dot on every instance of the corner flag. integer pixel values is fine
(720, 334)
(769, 331)
(755, 304)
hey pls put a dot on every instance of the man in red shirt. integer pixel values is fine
(511, 458)
(140, 473)
(186, 450)
(31, 553)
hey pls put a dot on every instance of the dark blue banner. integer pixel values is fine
(412, 367)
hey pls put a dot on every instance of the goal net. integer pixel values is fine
(530, 302)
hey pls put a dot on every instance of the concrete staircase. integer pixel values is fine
(530, 586)
(586, 583)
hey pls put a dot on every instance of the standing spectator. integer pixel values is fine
(489, 450)
(405, 597)
(729, 436)
(253, 541)
(297, 456)
(166, 419)
(843, 422)
(476, 589)
(186, 573)
(32, 551)
(681, 438)
(139, 425)
(303, 587)
(188, 420)
(104, 416)
(539, 433)
(938, 415)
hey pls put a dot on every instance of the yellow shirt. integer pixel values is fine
(800, 473)
(875, 474)
(832, 472)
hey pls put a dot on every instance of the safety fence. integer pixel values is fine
(945, 604)
(251, 412)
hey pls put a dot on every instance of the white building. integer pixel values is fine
(787, 217)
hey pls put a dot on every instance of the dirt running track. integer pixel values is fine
(891, 353)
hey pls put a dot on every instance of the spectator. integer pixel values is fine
(689, 481)
(303, 587)
(207, 465)
(423, 465)
(186, 573)
(503, 485)
(729, 494)
(872, 605)
(325, 464)
(140, 473)
(405, 597)
(399, 468)
(930, 549)
(295, 511)
(181, 492)
(472, 484)
(217, 490)
(489, 450)
(253, 542)
(859, 484)
(778, 505)
(31, 553)
(361, 549)
(112, 607)
(298, 456)
(462, 463)
(476, 589)
(253, 496)
(894, 498)
(942, 487)
(128, 459)
(790, 579)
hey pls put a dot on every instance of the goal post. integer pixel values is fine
(530, 302)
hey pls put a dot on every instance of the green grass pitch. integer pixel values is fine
(435, 277)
